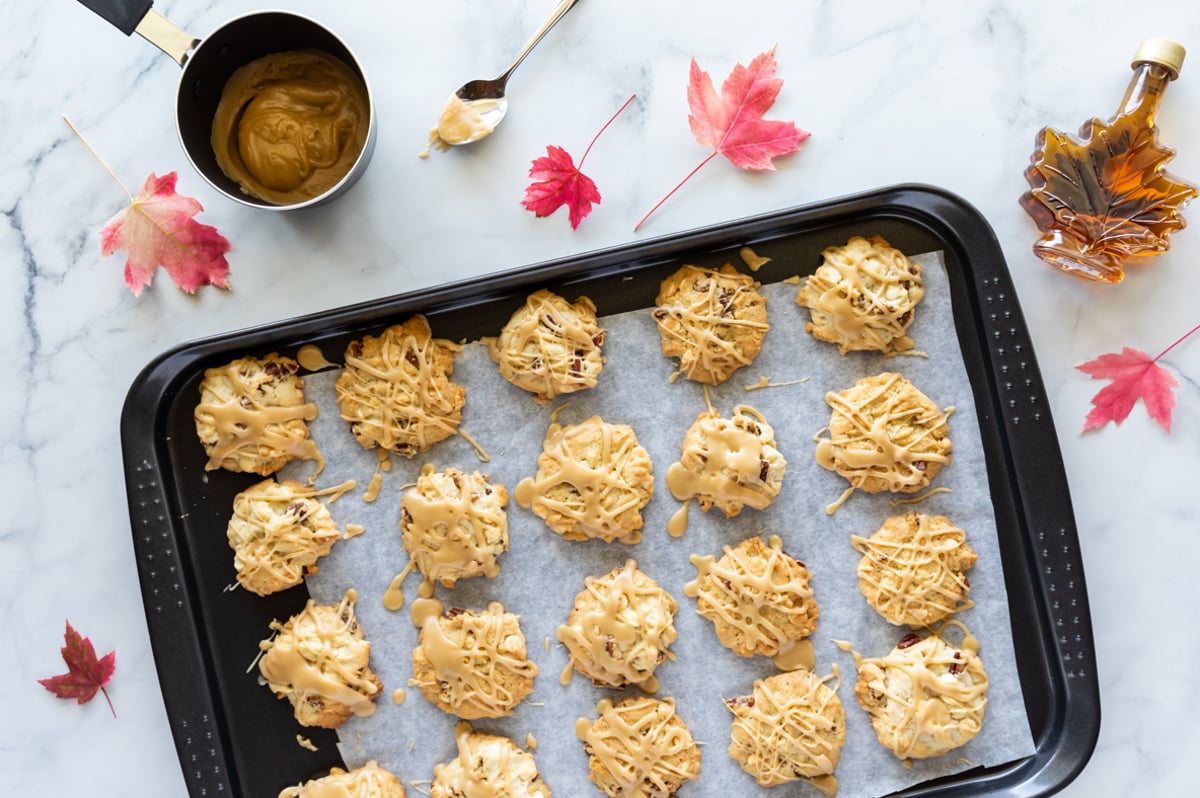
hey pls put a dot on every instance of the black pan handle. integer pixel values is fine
(124, 15)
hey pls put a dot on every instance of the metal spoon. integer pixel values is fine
(486, 97)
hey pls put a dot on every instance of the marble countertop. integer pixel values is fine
(937, 92)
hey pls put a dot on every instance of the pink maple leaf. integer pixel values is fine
(1134, 376)
(158, 229)
(732, 123)
(557, 181)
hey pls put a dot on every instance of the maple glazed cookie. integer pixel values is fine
(927, 696)
(728, 463)
(395, 391)
(913, 568)
(252, 416)
(277, 532)
(453, 525)
(713, 320)
(487, 765)
(473, 665)
(757, 597)
(791, 727)
(620, 628)
(593, 480)
(319, 661)
(550, 346)
(368, 781)
(640, 748)
(885, 435)
(863, 296)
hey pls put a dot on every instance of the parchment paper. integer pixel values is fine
(542, 573)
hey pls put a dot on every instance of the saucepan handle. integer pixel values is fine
(128, 16)
(124, 15)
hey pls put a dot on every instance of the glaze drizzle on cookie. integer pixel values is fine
(593, 480)
(395, 390)
(863, 296)
(728, 463)
(320, 655)
(791, 727)
(884, 434)
(550, 347)
(927, 696)
(758, 597)
(713, 320)
(912, 569)
(277, 532)
(453, 525)
(640, 747)
(473, 664)
(252, 416)
(620, 629)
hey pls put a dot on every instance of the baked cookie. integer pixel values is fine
(368, 781)
(550, 346)
(791, 727)
(593, 480)
(277, 532)
(757, 597)
(913, 568)
(395, 391)
(713, 320)
(728, 463)
(473, 665)
(620, 628)
(453, 525)
(640, 748)
(252, 416)
(319, 662)
(927, 697)
(487, 765)
(884, 434)
(863, 296)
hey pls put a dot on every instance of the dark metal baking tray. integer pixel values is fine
(234, 738)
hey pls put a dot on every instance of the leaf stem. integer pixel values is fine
(109, 700)
(672, 191)
(606, 124)
(113, 175)
(1178, 341)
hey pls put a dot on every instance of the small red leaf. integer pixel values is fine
(156, 229)
(558, 182)
(86, 675)
(1134, 375)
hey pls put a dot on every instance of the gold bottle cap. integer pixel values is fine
(1161, 51)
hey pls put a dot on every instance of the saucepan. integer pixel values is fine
(292, 134)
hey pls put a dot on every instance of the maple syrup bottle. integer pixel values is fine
(1105, 198)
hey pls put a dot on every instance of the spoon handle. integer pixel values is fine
(558, 13)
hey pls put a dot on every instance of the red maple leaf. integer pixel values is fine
(156, 229)
(1135, 375)
(557, 181)
(733, 124)
(85, 674)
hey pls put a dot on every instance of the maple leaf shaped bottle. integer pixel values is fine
(1105, 198)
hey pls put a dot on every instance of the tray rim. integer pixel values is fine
(1061, 753)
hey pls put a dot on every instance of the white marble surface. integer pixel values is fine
(946, 93)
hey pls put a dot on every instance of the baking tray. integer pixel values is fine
(235, 738)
